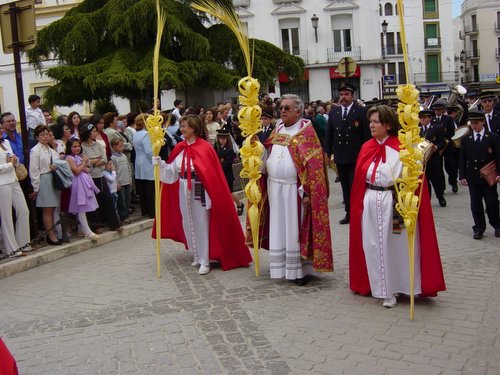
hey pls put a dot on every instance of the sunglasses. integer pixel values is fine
(286, 108)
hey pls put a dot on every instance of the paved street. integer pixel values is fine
(103, 311)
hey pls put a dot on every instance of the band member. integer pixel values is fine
(434, 168)
(347, 130)
(478, 148)
(446, 122)
(492, 116)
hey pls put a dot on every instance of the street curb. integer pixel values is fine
(53, 253)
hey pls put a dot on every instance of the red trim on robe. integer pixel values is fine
(226, 238)
(432, 277)
(7, 362)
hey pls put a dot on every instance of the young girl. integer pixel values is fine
(83, 189)
(226, 154)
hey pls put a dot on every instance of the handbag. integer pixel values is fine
(20, 169)
(489, 173)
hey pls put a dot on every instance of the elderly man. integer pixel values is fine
(299, 225)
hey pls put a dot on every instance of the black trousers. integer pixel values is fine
(146, 191)
(451, 156)
(435, 175)
(106, 213)
(346, 176)
(477, 193)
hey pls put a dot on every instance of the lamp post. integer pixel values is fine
(384, 31)
(314, 21)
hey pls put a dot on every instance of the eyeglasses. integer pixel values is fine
(286, 108)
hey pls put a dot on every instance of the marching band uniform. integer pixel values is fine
(448, 126)
(477, 150)
(346, 132)
(491, 115)
(434, 169)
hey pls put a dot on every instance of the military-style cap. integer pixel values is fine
(266, 114)
(470, 94)
(475, 114)
(438, 104)
(487, 95)
(453, 108)
(426, 112)
(224, 131)
(347, 87)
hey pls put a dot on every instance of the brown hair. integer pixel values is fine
(115, 141)
(39, 129)
(387, 117)
(195, 123)
(108, 118)
(140, 121)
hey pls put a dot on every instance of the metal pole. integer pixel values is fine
(19, 79)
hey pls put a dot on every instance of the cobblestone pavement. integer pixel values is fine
(103, 311)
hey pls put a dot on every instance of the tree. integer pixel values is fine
(105, 48)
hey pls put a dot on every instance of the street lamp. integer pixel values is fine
(314, 21)
(384, 31)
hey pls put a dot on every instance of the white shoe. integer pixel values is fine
(390, 302)
(195, 264)
(92, 236)
(204, 270)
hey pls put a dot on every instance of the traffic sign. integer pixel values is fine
(390, 79)
(346, 67)
(26, 30)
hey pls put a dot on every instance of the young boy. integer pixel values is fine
(109, 175)
(123, 177)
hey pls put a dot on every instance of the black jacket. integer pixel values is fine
(344, 138)
(473, 159)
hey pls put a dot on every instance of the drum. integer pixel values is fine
(427, 148)
(460, 132)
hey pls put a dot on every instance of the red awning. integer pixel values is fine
(336, 75)
(283, 76)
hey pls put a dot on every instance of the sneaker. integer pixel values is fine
(195, 264)
(390, 302)
(16, 254)
(28, 249)
(204, 270)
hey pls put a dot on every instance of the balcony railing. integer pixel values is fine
(471, 29)
(431, 43)
(429, 77)
(335, 54)
(303, 54)
(472, 54)
(391, 50)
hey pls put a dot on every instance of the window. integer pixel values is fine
(473, 21)
(390, 44)
(388, 9)
(431, 32)
(399, 45)
(401, 73)
(475, 72)
(391, 68)
(475, 52)
(380, 9)
(430, 8)
(342, 33)
(290, 35)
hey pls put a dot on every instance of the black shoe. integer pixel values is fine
(442, 202)
(303, 281)
(337, 179)
(50, 242)
(345, 220)
(454, 188)
(477, 235)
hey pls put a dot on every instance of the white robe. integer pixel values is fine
(386, 253)
(284, 246)
(195, 216)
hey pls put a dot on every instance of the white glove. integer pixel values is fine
(156, 160)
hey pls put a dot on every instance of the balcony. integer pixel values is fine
(438, 77)
(471, 29)
(335, 54)
(433, 43)
(472, 55)
(303, 54)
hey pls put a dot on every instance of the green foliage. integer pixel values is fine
(103, 106)
(105, 48)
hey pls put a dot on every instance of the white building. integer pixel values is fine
(345, 28)
(480, 53)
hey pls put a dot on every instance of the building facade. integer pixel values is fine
(480, 36)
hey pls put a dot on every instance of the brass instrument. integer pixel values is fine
(455, 91)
